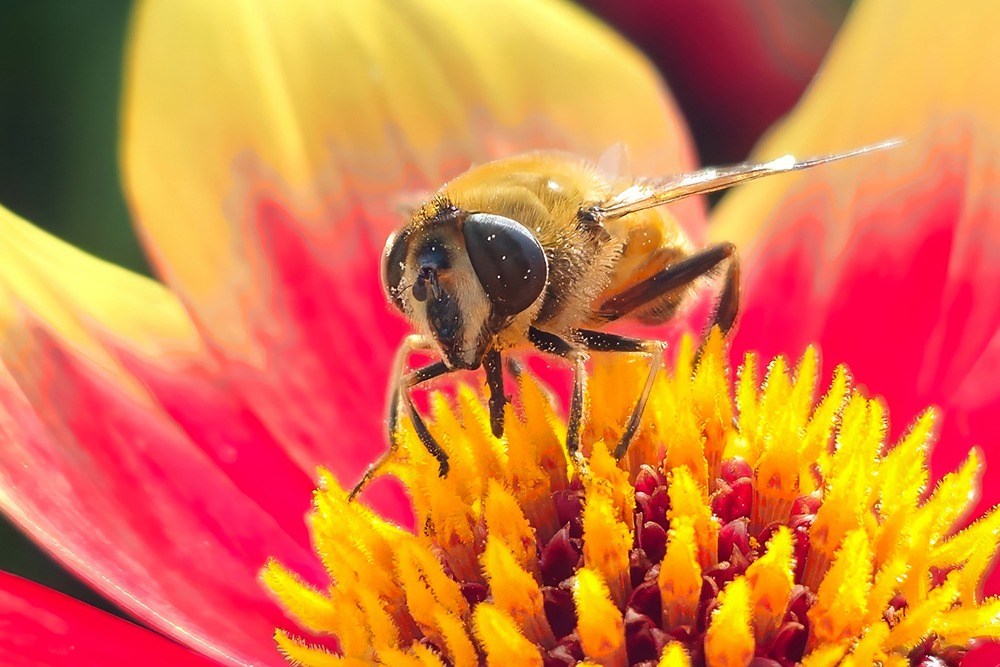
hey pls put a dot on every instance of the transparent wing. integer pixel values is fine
(647, 193)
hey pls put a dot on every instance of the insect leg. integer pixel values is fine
(494, 380)
(553, 344)
(398, 390)
(410, 380)
(678, 275)
(599, 341)
(729, 298)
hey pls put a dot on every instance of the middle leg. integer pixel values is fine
(553, 344)
(600, 341)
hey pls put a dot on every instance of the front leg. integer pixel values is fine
(410, 380)
(400, 393)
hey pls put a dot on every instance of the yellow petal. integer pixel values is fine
(506, 522)
(824, 418)
(714, 410)
(433, 598)
(83, 300)
(869, 649)
(958, 626)
(613, 482)
(689, 499)
(902, 478)
(475, 418)
(922, 618)
(333, 104)
(421, 656)
(851, 470)
(980, 539)
(381, 626)
(825, 656)
(459, 648)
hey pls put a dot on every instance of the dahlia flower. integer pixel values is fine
(162, 439)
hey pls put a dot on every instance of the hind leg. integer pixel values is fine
(679, 275)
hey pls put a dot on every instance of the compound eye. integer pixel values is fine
(393, 265)
(507, 259)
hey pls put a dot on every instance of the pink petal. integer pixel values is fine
(43, 628)
(210, 413)
(101, 475)
(892, 265)
(326, 332)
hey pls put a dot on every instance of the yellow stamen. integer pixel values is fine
(502, 640)
(771, 581)
(752, 506)
(613, 481)
(517, 593)
(674, 656)
(689, 499)
(680, 576)
(506, 523)
(729, 640)
(298, 652)
(602, 631)
(842, 600)
(606, 542)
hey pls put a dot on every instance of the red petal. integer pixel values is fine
(892, 265)
(100, 475)
(735, 67)
(327, 335)
(211, 414)
(43, 628)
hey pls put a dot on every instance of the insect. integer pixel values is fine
(540, 250)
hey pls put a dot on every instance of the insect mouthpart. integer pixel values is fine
(426, 276)
(443, 312)
(434, 287)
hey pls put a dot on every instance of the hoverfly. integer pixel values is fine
(540, 250)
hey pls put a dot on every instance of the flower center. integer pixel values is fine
(790, 534)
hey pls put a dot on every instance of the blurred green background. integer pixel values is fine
(60, 78)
